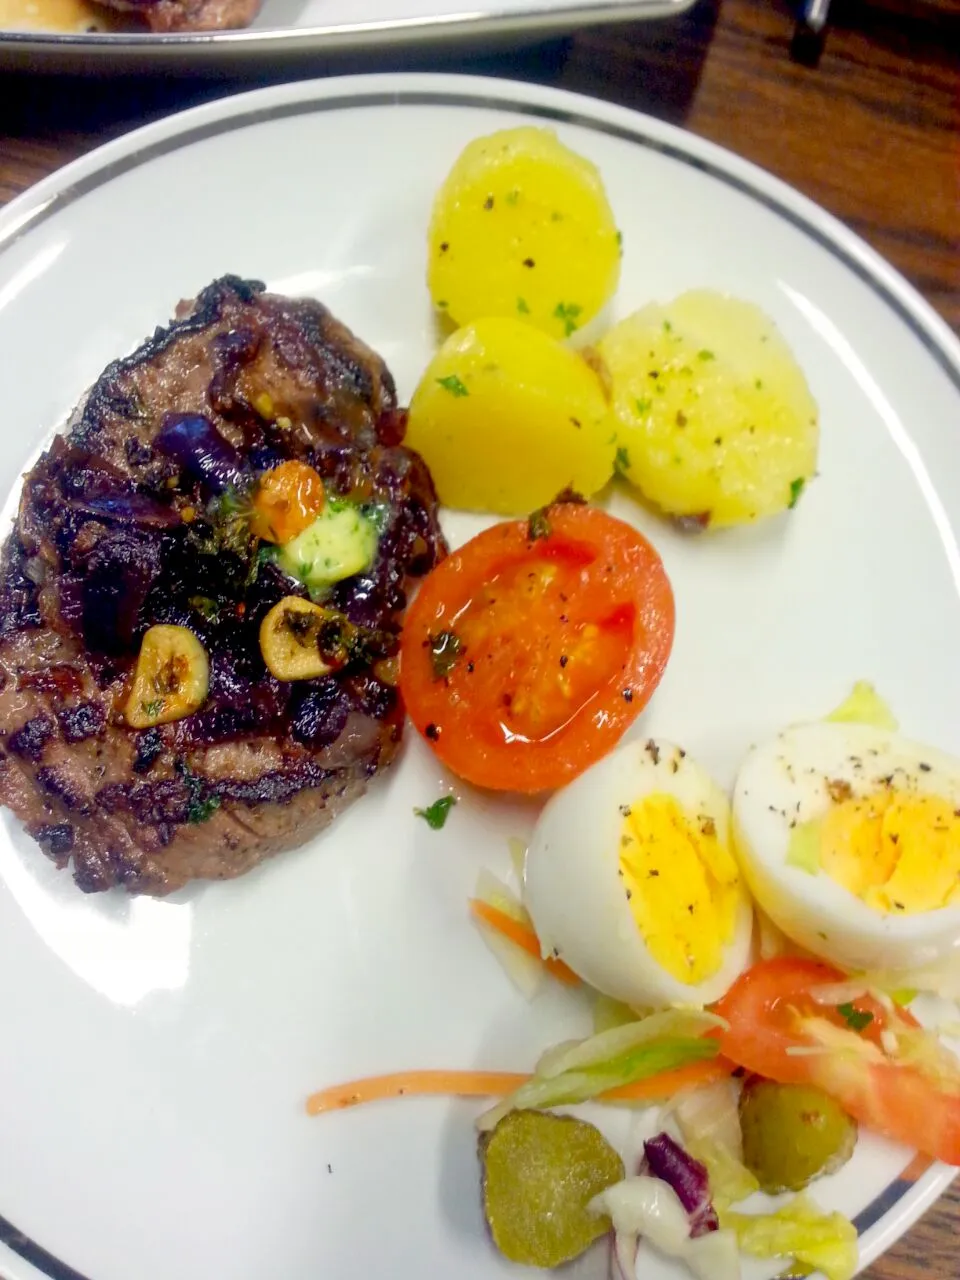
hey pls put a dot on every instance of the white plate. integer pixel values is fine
(295, 28)
(157, 1054)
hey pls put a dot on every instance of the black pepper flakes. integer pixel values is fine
(564, 659)
(529, 262)
(432, 731)
(653, 751)
(488, 203)
(628, 695)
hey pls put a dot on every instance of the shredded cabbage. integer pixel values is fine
(709, 1122)
(518, 856)
(600, 1049)
(525, 971)
(609, 1013)
(903, 984)
(650, 1208)
(800, 1229)
(863, 705)
(579, 1070)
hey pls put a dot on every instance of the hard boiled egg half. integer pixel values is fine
(849, 837)
(630, 880)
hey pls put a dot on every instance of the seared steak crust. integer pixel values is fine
(118, 530)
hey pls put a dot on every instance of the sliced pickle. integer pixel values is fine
(792, 1133)
(540, 1172)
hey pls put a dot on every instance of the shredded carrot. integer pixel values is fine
(523, 936)
(497, 1084)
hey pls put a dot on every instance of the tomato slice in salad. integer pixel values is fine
(528, 652)
(874, 1060)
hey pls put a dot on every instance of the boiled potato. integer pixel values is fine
(716, 423)
(506, 417)
(522, 227)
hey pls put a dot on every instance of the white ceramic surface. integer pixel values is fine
(157, 1054)
(296, 28)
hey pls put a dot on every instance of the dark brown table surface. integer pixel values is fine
(872, 133)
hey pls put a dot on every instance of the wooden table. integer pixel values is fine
(873, 134)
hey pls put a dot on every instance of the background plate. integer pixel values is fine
(157, 1054)
(290, 29)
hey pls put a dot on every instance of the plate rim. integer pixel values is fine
(889, 1216)
(344, 37)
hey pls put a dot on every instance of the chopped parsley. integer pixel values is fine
(642, 407)
(522, 307)
(206, 606)
(436, 814)
(512, 197)
(855, 1019)
(567, 313)
(704, 354)
(202, 810)
(796, 488)
(453, 384)
(538, 526)
(153, 708)
(202, 803)
(620, 242)
(445, 650)
(667, 327)
(622, 460)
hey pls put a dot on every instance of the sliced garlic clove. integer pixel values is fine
(171, 680)
(289, 639)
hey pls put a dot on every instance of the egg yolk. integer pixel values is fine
(682, 884)
(898, 851)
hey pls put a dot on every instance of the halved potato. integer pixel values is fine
(716, 423)
(507, 417)
(522, 227)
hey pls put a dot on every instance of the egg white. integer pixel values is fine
(576, 898)
(783, 783)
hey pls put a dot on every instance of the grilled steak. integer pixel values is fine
(189, 15)
(127, 521)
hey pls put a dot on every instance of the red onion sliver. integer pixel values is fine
(668, 1161)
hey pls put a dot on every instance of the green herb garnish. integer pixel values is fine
(453, 384)
(567, 313)
(153, 708)
(642, 407)
(622, 460)
(704, 354)
(436, 814)
(796, 488)
(538, 526)
(202, 803)
(856, 1019)
(206, 606)
(522, 307)
(445, 650)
